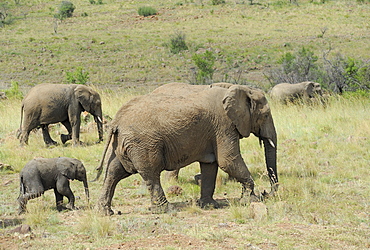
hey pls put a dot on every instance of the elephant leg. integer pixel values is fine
(158, 199)
(239, 170)
(75, 124)
(115, 173)
(63, 189)
(45, 133)
(207, 184)
(59, 200)
(29, 123)
(64, 138)
(31, 188)
(24, 198)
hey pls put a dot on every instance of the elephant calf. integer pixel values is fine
(42, 174)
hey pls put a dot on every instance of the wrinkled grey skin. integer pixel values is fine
(179, 124)
(42, 174)
(52, 103)
(287, 92)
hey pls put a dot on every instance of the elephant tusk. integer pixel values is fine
(99, 119)
(271, 143)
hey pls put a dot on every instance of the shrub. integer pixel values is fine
(78, 76)
(5, 16)
(177, 43)
(96, 2)
(347, 74)
(205, 64)
(217, 2)
(147, 11)
(66, 9)
(14, 91)
(296, 67)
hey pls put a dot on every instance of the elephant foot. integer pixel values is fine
(249, 199)
(51, 143)
(64, 138)
(165, 208)
(21, 211)
(208, 203)
(105, 210)
(60, 208)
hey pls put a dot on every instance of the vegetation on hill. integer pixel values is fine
(247, 39)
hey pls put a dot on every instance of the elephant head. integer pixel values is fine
(90, 102)
(250, 113)
(73, 169)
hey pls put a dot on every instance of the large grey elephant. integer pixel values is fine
(286, 92)
(52, 103)
(42, 174)
(179, 124)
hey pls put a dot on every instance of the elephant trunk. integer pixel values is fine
(269, 138)
(99, 123)
(270, 157)
(86, 189)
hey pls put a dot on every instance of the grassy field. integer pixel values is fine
(323, 153)
(323, 201)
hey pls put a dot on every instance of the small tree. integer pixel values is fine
(177, 43)
(79, 76)
(66, 10)
(205, 63)
(296, 67)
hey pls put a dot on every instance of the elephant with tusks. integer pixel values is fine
(178, 124)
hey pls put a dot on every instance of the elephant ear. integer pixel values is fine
(310, 88)
(237, 105)
(67, 168)
(84, 97)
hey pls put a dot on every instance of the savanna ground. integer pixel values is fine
(323, 153)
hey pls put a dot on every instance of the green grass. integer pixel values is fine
(323, 161)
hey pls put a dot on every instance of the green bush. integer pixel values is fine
(205, 63)
(79, 76)
(296, 67)
(147, 11)
(96, 2)
(14, 91)
(66, 9)
(217, 2)
(177, 43)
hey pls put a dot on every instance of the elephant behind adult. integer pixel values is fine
(169, 130)
(52, 103)
(287, 92)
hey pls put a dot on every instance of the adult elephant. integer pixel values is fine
(180, 124)
(286, 92)
(52, 103)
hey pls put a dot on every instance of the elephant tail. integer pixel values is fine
(19, 132)
(100, 167)
(21, 188)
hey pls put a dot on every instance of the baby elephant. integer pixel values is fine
(42, 174)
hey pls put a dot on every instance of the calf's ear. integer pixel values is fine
(67, 168)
